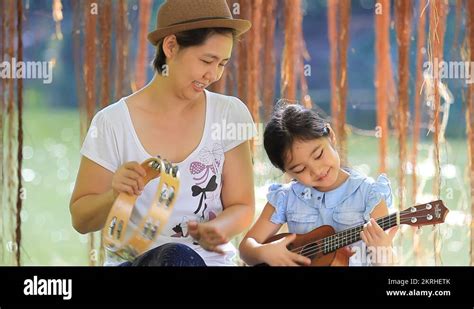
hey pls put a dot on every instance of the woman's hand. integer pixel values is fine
(129, 179)
(276, 253)
(208, 236)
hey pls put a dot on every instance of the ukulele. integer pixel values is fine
(325, 247)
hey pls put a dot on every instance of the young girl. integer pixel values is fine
(303, 145)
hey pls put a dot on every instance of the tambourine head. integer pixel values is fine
(151, 224)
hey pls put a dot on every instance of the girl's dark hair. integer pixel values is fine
(289, 123)
(186, 39)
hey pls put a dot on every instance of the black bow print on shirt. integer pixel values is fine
(211, 186)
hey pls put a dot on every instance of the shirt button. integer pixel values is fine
(319, 197)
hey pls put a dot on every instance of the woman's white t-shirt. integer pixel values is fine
(112, 141)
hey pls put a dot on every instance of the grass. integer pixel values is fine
(52, 157)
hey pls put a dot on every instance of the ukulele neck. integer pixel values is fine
(352, 235)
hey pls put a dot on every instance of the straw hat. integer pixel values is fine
(181, 15)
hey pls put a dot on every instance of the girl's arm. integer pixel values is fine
(253, 251)
(260, 231)
(377, 239)
(238, 202)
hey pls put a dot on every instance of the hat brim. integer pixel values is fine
(239, 25)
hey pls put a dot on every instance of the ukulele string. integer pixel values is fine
(352, 232)
(356, 230)
(312, 251)
(332, 243)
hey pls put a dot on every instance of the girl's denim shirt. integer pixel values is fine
(305, 208)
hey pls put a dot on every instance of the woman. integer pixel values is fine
(174, 116)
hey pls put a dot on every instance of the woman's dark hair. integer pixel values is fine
(289, 123)
(186, 39)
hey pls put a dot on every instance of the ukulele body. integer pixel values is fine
(430, 213)
(306, 241)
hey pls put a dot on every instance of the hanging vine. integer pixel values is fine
(145, 7)
(19, 94)
(470, 121)
(382, 55)
(253, 95)
(420, 47)
(269, 58)
(2, 122)
(436, 43)
(403, 27)
(345, 14)
(334, 64)
(105, 22)
(12, 134)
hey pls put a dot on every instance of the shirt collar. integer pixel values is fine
(332, 198)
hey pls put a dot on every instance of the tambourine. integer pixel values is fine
(140, 240)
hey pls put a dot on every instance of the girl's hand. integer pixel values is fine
(208, 236)
(128, 179)
(374, 236)
(276, 253)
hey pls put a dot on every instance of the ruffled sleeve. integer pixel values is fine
(378, 191)
(277, 197)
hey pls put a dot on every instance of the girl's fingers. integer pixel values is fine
(370, 226)
(366, 237)
(371, 232)
(291, 263)
(377, 227)
(301, 259)
(392, 232)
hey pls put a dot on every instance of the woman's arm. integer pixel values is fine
(97, 188)
(238, 197)
(92, 197)
(238, 201)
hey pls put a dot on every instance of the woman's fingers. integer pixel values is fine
(136, 177)
(125, 188)
(132, 183)
(217, 249)
(135, 166)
